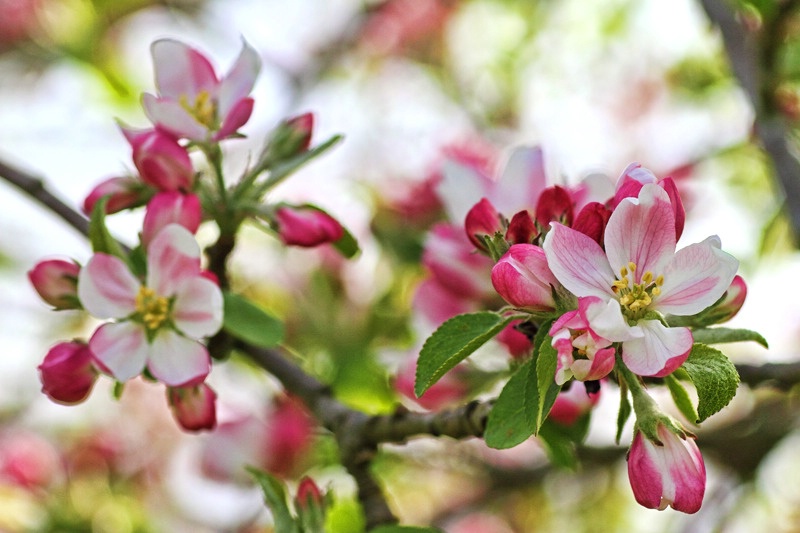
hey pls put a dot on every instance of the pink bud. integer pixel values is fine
(162, 162)
(523, 278)
(521, 229)
(555, 203)
(518, 344)
(171, 207)
(572, 403)
(56, 281)
(671, 473)
(67, 373)
(27, 460)
(734, 297)
(193, 407)
(483, 220)
(306, 226)
(124, 193)
(308, 493)
(592, 220)
(301, 128)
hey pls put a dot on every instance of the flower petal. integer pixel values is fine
(642, 231)
(178, 361)
(659, 352)
(197, 311)
(606, 320)
(697, 276)
(106, 287)
(172, 257)
(234, 120)
(578, 262)
(181, 70)
(239, 80)
(170, 116)
(522, 181)
(120, 349)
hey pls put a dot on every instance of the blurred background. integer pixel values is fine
(419, 89)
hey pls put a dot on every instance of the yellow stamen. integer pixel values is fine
(635, 298)
(632, 266)
(203, 109)
(647, 279)
(153, 310)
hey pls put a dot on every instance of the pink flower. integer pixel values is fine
(192, 102)
(194, 407)
(308, 494)
(635, 176)
(582, 353)
(523, 278)
(572, 403)
(483, 221)
(640, 276)
(160, 160)
(123, 192)
(670, 473)
(157, 324)
(555, 203)
(171, 207)
(56, 281)
(306, 226)
(67, 373)
(592, 220)
(27, 460)
(522, 229)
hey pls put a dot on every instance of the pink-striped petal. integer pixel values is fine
(238, 116)
(172, 257)
(659, 351)
(642, 231)
(607, 321)
(171, 117)
(177, 361)
(197, 311)
(106, 287)
(578, 262)
(239, 81)
(120, 349)
(181, 70)
(697, 276)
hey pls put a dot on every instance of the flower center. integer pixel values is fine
(153, 310)
(203, 109)
(635, 298)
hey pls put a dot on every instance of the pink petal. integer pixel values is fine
(642, 231)
(237, 118)
(172, 257)
(659, 352)
(523, 279)
(176, 360)
(239, 81)
(181, 70)
(171, 117)
(197, 311)
(120, 349)
(578, 262)
(697, 276)
(645, 472)
(106, 287)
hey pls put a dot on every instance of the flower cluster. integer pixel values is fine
(604, 277)
(158, 303)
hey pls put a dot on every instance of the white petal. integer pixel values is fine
(120, 348)
(169, 115)
(176, 360)
(578, 262)
(240, 79)
(172, 257)
(197, 310)
(107, 288)
(607, 321)
(659, 352)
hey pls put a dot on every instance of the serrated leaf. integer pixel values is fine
(249, 323)
(452, 343)
(681, 397)
(513, 417)
(714, 377)
(724, 335)
(625, 409)
(275, 497)
(561, 441)
(99, 236)
(546, 362)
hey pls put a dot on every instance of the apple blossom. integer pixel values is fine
(635, 176)
(123, 193)
(192, 102)
(67, 373)
(582, 353)
(306, 226)
(523, 278)
(157, 324)
(640, 277)
(521, 229)
(573, 402)
(56, 281)
(160, 160)
(555, 203)
(194, 407)
(669, 473)
(482, 222)
(171, 207)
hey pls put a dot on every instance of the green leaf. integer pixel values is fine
(723, 335)
(681, 398)
(714, 377)
(284, 168)
(561, 441)
(347, 245)
(275, 497)
(453, 342)
(546, 362)
(99, 236)
(513, 417)
(625, 409)
(248, 322)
